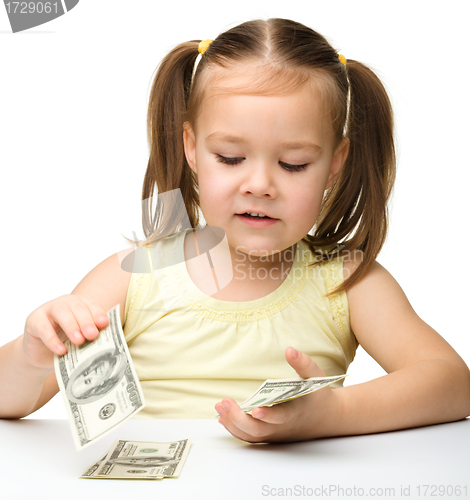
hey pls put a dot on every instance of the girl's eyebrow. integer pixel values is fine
(219, 137)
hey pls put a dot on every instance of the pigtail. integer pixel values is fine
(167, 167)
(360, 195)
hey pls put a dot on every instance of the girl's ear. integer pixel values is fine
(189, 146)
(339, 157)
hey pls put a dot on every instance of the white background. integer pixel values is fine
(73, 152)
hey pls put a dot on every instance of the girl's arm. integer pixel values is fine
(427, 381)
(27, 377)
(20, 383)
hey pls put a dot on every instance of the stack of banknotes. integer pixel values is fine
(275, 391)
(140, 460)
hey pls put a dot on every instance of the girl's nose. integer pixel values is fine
(259, 180)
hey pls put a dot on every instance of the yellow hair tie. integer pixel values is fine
(342, 59)
(203, 46)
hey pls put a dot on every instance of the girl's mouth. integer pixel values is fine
(246, 214)
(254, 221)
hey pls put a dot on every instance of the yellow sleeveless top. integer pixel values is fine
(190, 350)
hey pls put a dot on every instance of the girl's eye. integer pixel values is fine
(286, 166)
(294, 168)
(228, 161)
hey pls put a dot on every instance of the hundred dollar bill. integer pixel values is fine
(140, 460)
(95, 466)
(276, 391)
(98, 382)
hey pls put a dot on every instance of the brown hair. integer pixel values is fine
(355, 206)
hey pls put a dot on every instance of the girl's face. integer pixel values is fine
(269, 154)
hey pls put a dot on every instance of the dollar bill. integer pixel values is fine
(275, 391)
(140, 460)
(89, 471)
(98, 383)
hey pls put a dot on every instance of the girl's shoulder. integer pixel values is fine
(154, 255)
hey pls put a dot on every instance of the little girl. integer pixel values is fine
(287, 149)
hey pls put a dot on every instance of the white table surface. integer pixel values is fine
(38, 460)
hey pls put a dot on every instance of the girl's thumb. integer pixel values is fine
(303, 364)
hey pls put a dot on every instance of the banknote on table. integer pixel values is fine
(98, 382)
(276, 391)
(89, 471)
(140, 460)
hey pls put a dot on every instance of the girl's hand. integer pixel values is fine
(300, 419)
(69, 316)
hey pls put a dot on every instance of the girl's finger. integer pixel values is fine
(61, 316)
(231, 429)
(235, 419)
(85, 319)
(304, 365)
(277, 414)
(235, 431)
(40, 329)
(99, 314)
